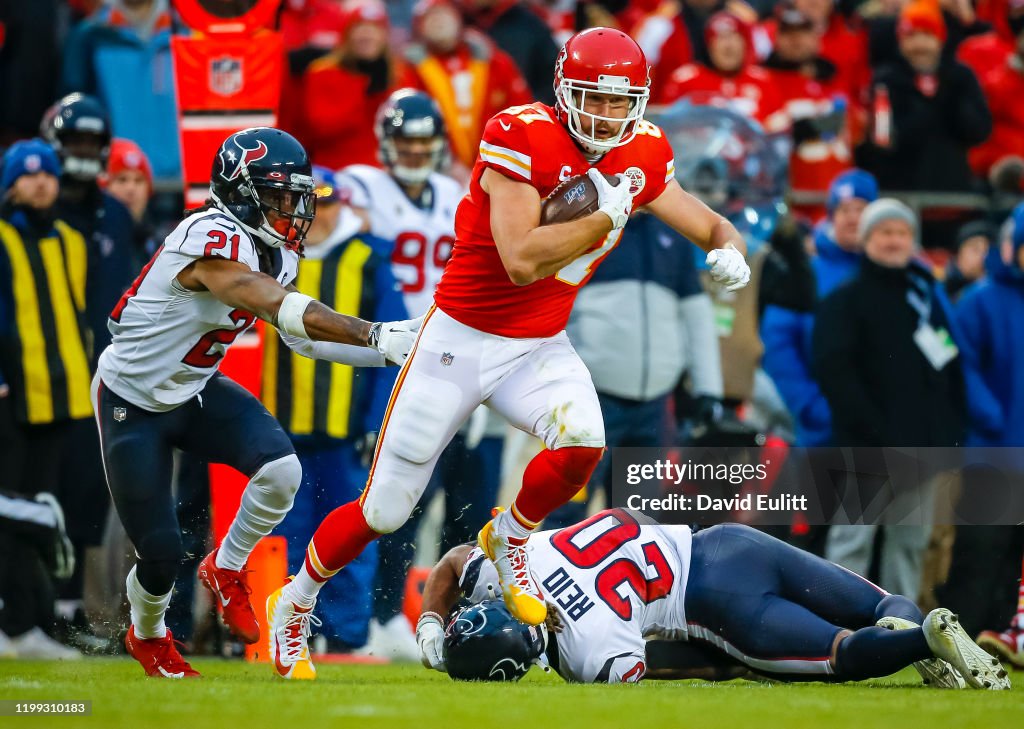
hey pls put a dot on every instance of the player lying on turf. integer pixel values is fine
(496, 334)
(614, 582)
(157, 387)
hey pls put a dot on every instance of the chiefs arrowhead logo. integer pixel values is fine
(233, 161)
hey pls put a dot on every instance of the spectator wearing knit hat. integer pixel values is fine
(884, 355)
(45, 366)
(786, 332)
(927, 111)
(967, 266)
(129, 179)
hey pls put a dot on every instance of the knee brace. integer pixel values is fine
(275, 484)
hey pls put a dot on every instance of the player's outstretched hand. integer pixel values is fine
(728, 267)
(613, 200)
(430, 638)
(394, 339)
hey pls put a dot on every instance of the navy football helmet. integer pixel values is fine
(78, 129)
(262, 177)
(411, 114)
(485, 643)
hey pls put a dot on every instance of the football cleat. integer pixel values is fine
(948, 641)
(290, 627)
(934, 672)
(159, 656)
(230, 590)
(1007, 646)
(519, 590)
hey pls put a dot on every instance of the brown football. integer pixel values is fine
(573, 199)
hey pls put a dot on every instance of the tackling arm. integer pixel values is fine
(440, 594)
(235, 285)
(531, 251)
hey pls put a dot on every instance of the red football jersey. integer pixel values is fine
(528, 144)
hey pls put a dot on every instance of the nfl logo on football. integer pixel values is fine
(226, 76)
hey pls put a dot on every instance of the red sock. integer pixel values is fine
(338, 540)
(1019, 618)
(551, 479)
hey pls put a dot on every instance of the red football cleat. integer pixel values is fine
(1007, 646)
(158, 656)
(231, 590)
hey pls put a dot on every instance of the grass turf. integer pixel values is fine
(234, 694)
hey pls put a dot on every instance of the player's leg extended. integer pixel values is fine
(551, 395)
(433, 395)
(227, 424)
(138, 462)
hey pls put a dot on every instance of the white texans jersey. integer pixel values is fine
(613, 581)
(423, 236)
(168, 341)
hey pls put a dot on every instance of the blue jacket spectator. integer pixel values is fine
(122, 54)
(786, 333)
(992, 343)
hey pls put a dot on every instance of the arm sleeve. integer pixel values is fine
(835, 349)
(783, 332)
(973, 336)
(966, 109)
(334, 351)
(698, 319)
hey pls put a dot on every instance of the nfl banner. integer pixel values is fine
(224, 83)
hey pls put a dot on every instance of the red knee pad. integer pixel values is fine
(576, 463)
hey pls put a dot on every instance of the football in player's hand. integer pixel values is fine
(573, 199)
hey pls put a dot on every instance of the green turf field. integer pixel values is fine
(236, 695)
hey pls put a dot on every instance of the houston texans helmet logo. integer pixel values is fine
(233, 161)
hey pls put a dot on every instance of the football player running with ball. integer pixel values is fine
(496, 333)
(157, 387)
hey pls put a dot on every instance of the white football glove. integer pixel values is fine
(613, 200)
(430, 638)
(728, 267)
(394, 339)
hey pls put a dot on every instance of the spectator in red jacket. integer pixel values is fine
(815, 104)
(843, 43)
(343, 90)
(469, 77)
(310, 29)
(727, 79)
(673, 34)
(1004, 90)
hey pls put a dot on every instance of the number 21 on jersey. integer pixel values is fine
(574, 273)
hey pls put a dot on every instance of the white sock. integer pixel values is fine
(507, 525)
(303, 589)
(147, 610)
(265, 502)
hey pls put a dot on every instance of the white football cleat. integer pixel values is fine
(394, 641)
(7, 647)
(935, 672)
(289, 627)
(950, 642)
(35, 644)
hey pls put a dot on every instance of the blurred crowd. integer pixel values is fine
(884, 309)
